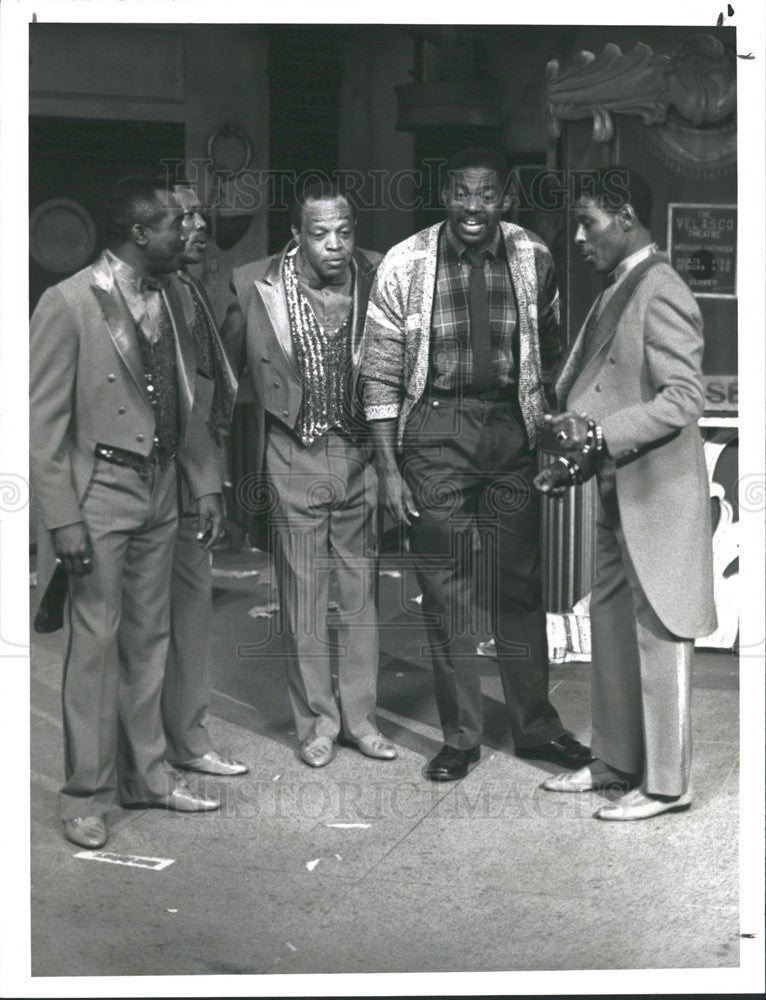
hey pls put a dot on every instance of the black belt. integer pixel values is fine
(503, 394)
(143, 464)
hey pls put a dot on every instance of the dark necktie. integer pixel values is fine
(478, 314)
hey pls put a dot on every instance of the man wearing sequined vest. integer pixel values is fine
(462, 330)
(296, 322)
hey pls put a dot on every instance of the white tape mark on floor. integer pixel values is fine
(311, 865)
(348, 826)
(131, 860)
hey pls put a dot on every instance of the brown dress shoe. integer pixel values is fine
(86, 831)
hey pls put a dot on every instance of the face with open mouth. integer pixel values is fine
(194, 226)
(475, 204)
(600, 237)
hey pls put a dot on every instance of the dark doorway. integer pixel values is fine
(305, 78)
(80, 159)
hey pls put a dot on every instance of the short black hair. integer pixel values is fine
(134, 200)
(318, 190)
(484, 157)
(612, 188)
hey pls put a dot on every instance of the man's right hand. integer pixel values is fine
(397, 497)
(395, 493)
(73, 549)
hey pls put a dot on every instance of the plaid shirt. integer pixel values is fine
(451, 360)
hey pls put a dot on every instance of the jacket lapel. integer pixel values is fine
(272, 292)
(225, 371)
(186, 350)
(585, 356)
(363, 277)
(120, 323)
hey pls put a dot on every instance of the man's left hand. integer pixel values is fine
(569, 429)
(210, 519)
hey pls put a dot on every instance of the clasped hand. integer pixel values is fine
(570, 432)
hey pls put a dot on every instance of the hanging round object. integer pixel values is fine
(230, 151)
(62, 235)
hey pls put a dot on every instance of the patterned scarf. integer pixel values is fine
(324, 363)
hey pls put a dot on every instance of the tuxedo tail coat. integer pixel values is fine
(642, 381)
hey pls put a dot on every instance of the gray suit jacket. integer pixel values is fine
(257, 335)
(643, 384)
(87, 387)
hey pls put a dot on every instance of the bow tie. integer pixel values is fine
(153, 283)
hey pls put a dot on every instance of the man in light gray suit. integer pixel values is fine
(118, 406)
(296, 322)
(187, 688)
(632, 390)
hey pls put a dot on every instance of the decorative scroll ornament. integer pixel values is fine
(698, 82)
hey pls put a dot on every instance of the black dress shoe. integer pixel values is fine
(565, 751)
(450, 763)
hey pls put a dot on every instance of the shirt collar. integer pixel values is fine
(456, 250)
(129, 278)
(627, 265)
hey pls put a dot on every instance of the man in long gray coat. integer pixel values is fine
(632, 387)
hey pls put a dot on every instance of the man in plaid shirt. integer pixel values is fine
(462, 331)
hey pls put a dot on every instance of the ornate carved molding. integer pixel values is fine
(698, 82)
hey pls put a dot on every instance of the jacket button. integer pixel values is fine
(598, 388)
(122, 410)
(285, 413)
(111, 378)
(265, 360)
(140, 437)
(612, 361)
(276, 383)
(436, 402)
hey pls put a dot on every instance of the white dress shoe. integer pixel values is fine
(86, 831)
(376, 745)
(214, 763)
(592, 777)
(639, 805)
(183, 799)
(317, 751)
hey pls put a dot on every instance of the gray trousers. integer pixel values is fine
(324, 523)
(116, 641)
(641, 676)
(186, 691)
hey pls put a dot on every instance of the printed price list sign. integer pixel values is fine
(702, 245)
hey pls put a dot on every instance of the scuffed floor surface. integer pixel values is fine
(364, 866)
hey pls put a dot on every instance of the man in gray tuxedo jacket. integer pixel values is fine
(187, 687)
(632, 390)
(296, 322)
(118, 405)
